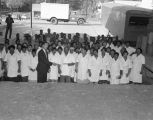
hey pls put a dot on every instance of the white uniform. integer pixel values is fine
(19, 54)
(53, 75)
(25, 61)
(65, 60)
(115, 71)
(33, 64)
(12, 64)
(105, 66)
(125, 66)
(137, 62)
(83, 62)
(95, 67)
(73, 58)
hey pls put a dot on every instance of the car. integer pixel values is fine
(25, 17)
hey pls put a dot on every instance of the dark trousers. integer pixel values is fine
(13, 79)
(65, 79)
(25, 79)
(41, 76)
(8, 29)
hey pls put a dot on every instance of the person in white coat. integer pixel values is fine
(73, 57)
(32, 67)
(126, 65)
(115, 70)
(66, 63)
(24, 64)
(12, 64)
(53, 57)
(129, 49)
(94, 67)
(104, 73)
(82, 67)
(138, 62)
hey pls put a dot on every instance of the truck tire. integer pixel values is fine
(54, 21)
(80, 21)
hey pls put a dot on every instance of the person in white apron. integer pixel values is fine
(25, 61)
(53, 74)
(82, 67)
(94, 67)
(59, 55)
(105, 60)
(90, 55)
(126, 65)
(138, 61)
(73, 57)
(115, 70)
(66, 63)
(32, 67)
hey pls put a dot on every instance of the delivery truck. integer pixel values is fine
(55, 12)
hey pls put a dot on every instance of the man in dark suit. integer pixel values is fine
(43, 64)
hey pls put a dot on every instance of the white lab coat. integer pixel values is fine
(33, 64)
(95, 67)
(19, 54)
(73, 58)
(114, 71)
(105, 62)
(53, 75)
(125, 66)
(12, 64)
(65, 60)
(25, 61)
(83, 62)
(137, 62)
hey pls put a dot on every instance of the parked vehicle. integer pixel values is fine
(55, 13)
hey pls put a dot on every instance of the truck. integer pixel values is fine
(55, 12)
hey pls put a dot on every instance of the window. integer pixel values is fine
(138, 21)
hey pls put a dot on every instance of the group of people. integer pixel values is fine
(63, 58)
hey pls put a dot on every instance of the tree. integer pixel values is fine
(14, 3)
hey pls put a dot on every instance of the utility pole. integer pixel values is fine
(31, 14)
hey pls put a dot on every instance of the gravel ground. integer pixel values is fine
(32, 101)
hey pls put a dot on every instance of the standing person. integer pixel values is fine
(12, 64)
(115, 70)
(138, 62)
(9, 21)
(53, 57)
(125, 64)
(43, 64)
(73, 57)
(105, 61)
(82, 66)
(24, 64)
(66, 64)
(32, 66)
(94, 67)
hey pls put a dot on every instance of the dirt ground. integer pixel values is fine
(32, 101)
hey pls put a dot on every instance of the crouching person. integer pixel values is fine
(12, 64)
